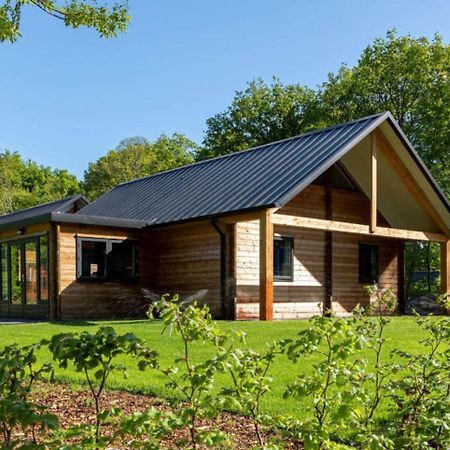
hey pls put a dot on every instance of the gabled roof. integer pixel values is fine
(261, 177)
(41, 213)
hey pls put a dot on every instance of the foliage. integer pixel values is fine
(95, 356)
(410, 78)
(25, 183)
(251, 380)
(18, 373)
(194, 381)
(422, 395)
(135, 158)
(260, 114)
(108, 21)
(331, 389)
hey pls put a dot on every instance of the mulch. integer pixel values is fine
(75, 406)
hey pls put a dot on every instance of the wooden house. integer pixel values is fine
(284, 230)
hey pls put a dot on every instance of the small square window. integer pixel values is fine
(283, 258)
(107, 259)
(368, 263)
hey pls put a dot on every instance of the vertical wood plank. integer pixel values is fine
(445, 267)
(374, 179)
(266, 266)
(401, 277)
(328, 263)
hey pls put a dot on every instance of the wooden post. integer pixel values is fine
(266, 266)
(445, 267)
(328, 302)
(373, 195)
(401, 277)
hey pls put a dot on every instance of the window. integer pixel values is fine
(283, 258)
(4, 272)
(368, 263)
(106, 259)
(43, 268)
(339, 179)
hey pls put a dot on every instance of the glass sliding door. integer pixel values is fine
(15, 257)
(43, 268)
(31, 272)
(4, 285)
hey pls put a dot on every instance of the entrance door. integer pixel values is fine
(24, 281)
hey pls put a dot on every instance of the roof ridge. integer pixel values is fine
(209, 160)
(61, 200)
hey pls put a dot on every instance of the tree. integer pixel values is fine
(410, 77)
(25, 183)
(107, 20)
(135, 158)
(260, 114)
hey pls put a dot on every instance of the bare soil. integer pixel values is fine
(75, 407)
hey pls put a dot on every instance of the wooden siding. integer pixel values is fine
(90, 299)
(187, 262)
(304, 296)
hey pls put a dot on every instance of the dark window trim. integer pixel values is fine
(287, 278)
(362, 279)
(108, 242)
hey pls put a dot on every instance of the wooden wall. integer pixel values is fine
(90, 299)
(303, 297)
(187, 262)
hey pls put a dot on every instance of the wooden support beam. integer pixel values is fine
(242, 217)
(266, 266)
(401, 277)
(445, 267)
(328, 263)
(410, 183)
(347, 227)
(374, 183)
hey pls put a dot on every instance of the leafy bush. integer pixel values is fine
(353, 376)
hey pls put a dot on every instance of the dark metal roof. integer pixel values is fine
(261, 177)
(39, 213)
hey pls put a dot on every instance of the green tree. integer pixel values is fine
(410, 77)
(107, 20)
(25, 183)
(260, 114)
(135, 158)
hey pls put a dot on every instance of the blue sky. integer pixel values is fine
(68, 96)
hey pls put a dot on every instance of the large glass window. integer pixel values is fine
(106, 259)
(4, 272)
(15, 255)
(43, 267)
(283, 258)
(31, 272)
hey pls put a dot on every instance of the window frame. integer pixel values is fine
(290, 277)
(108, 247)
(361, 278)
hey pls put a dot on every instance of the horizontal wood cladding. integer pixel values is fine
(84, 299)
(187, 262)
(347, 206)
(27, 231)
(300, 298)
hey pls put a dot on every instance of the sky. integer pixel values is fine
(68, 96)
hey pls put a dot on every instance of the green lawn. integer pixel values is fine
(403, 332)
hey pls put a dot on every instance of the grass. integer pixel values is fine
(403, 332)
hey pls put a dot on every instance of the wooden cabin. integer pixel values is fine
(284, 230)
